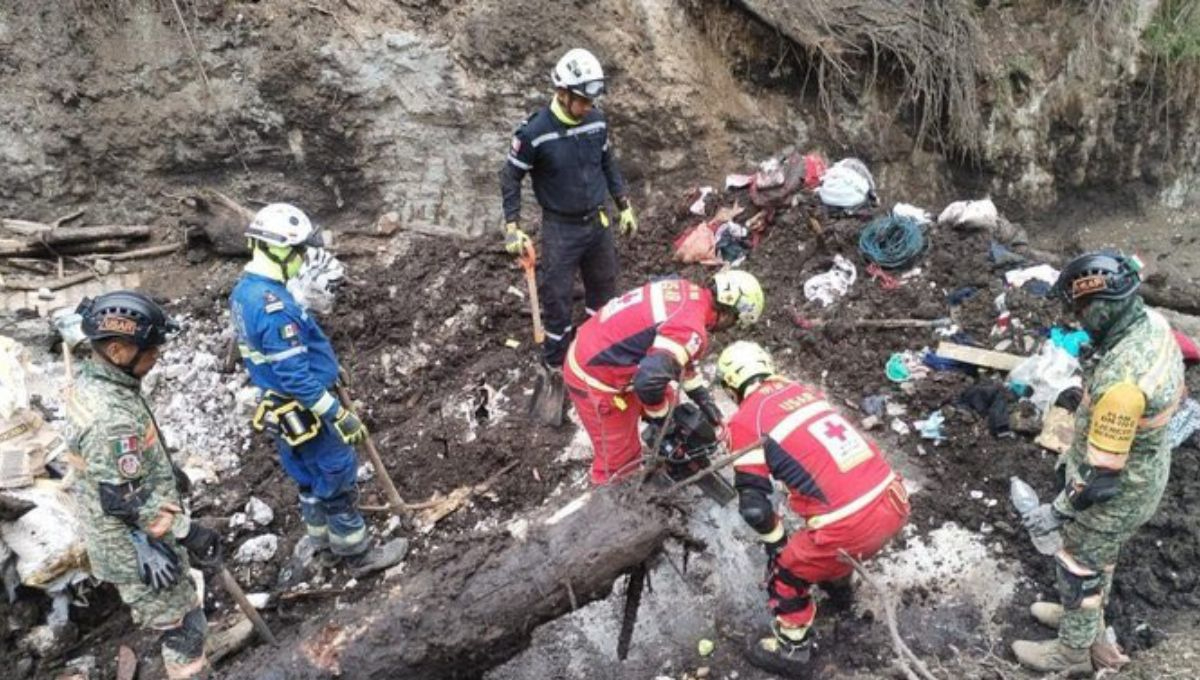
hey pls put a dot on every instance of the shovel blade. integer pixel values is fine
(548, 400)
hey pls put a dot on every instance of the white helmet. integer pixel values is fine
(579, 71)
(281, 224)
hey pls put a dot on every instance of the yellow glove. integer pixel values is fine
(628, 222)
(515, 240)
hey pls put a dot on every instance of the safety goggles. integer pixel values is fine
(590, 90)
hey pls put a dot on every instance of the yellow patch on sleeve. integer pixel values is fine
(1115, 418)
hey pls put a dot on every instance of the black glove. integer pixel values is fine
(158, 565)
(703, 398)
(651, 434)
(203, 545)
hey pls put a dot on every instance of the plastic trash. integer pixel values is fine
(971, 214)
(931, 426)
(847, 185)
(697, 206)
(1025, 500)
(1047, 373)
(912, 212)
(826, 288)
(1184, 423)
(1042, 272)
(895, 370)
(1071, 341)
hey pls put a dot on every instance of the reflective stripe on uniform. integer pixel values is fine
(755, 456)
(260, 358)
(571, 132)
(326, 402)
(796, 418)
(774, 535)
(694, 383)
(852, 507)
(577, 370)
(520, 164)
(674, 348)
(658, 306)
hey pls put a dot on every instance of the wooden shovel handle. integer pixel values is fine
(529, 262)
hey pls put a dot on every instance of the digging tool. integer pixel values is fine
(546, 404)
(633, 600)
(239, 596)
(394, 499)
(714, 466)
(805, 322)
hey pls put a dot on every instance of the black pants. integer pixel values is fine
(567, 246)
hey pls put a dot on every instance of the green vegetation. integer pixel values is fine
(1174, 34)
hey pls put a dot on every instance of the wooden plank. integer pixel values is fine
(987, 358)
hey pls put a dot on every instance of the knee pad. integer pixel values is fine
(1078, 591)
(187, 639)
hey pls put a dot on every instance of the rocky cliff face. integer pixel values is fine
(352, 109)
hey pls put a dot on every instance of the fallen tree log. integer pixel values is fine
(476, 607)
(17, 248)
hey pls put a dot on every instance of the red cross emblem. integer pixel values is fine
(834, 430)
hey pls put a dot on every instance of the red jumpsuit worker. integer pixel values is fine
(621, 364)
(838, 482)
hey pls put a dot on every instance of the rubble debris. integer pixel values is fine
(1058, 429)
(257, 549)
(259, 512)
(48, 540)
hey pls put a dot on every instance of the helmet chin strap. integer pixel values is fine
(281, 262)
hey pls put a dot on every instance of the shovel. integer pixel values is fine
(546, 404)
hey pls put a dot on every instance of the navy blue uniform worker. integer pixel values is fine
(289, 357)
(565, 147)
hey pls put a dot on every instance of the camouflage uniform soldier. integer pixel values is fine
(138, 535)
(1117, 466)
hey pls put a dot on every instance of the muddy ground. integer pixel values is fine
(424, 338)
(357, 110)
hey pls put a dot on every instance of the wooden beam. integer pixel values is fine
(1001, 361)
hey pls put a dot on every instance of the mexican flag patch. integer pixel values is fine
(125, 444)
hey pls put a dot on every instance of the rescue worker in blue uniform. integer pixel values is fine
(565, 147)
(289, 357)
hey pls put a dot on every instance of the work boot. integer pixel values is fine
(1108, 656)
(1049, 614)
(840, 594)
(377, 559)
(777, 654)
(1052, 656)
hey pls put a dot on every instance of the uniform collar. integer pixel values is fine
(260, 265)
(561, 115)
(98, 368)
(770, 379)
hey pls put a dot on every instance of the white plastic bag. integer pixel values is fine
(971, 215)
(833, 284)
(1048, 372)
(848, 184)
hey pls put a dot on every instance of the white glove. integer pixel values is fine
(316, 284)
